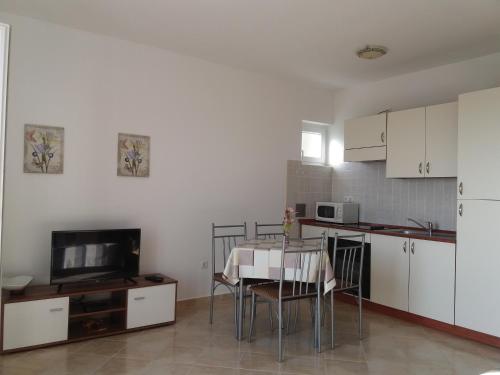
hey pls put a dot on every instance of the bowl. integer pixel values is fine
(16, 282)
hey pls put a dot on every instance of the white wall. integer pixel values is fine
(220, 138)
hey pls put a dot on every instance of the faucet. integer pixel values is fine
(427, 227)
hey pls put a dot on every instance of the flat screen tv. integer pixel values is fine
(94, 255)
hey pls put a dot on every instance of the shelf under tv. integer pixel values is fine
(85, 311)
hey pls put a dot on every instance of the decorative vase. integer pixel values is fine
(287, 239)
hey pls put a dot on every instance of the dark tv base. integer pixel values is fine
(130, 279)
(104, 281)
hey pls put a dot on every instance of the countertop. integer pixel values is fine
(388, 230)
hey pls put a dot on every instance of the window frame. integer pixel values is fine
(317, 128)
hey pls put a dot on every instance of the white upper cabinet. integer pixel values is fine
(406, 143)
(441, 128)
(422, 142)
(365, 138)
(479, 145)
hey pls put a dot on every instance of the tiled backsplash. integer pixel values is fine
(392, 201)
(307, 184)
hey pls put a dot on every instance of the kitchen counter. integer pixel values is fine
(388, 230)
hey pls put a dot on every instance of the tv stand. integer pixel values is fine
(130, 279)
(51, 316)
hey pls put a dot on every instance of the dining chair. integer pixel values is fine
(303, 265)
(347, 264)
(224, 238)
(268, 231)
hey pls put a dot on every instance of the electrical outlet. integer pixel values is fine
(204, 265)
(348, 199)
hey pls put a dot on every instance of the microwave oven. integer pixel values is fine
(337, 212)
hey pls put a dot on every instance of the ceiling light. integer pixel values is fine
(371, 52)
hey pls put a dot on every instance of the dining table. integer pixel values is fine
(261, 259)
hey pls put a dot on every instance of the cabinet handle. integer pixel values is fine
(139, 298)
(461, 188)
(56, 309)
(460, 209)
(428, 167)
(413, 247)
(382, 137)
(420, 168)
(404, 247)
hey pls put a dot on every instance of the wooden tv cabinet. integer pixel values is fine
(43, 316)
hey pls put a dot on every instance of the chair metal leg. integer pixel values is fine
(244, 309)
(332, 318)
(280, 331)
(253, 309)
(235, 296)
(288, 318)
(323, 311)
(240, 309)
(318, 324)
(211, 318)
(297, 307)
(360, 306)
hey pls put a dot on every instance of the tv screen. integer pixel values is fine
(94, 255)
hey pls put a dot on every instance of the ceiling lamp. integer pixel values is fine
(371, 52)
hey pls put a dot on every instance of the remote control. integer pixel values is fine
(154, 278)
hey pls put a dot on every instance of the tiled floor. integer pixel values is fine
(192, 346)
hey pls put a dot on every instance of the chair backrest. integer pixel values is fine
(224, 238)
(302, 267)
(347, 260)
(268, 231)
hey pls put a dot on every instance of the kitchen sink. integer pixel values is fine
(420, 233)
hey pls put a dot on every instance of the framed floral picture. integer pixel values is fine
(43, 149)
(133, 155)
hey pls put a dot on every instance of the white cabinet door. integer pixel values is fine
(406, 143)
(151, 305)
(367, 131)
(389, 271)
(477, 304)
(478, 144)
(35, 322)
(432, 280)
(441, 122)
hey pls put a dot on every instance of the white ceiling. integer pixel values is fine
(312, 41)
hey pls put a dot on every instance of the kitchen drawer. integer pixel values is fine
(35, 322)
(151, 305)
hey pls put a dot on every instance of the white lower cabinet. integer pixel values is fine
(35, 322)
(389, 271)
(151, 305)
(478, 260)
(414, 275)
(432, 280)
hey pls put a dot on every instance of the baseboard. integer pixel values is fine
(427, 322)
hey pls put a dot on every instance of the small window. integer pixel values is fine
(313, 142)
